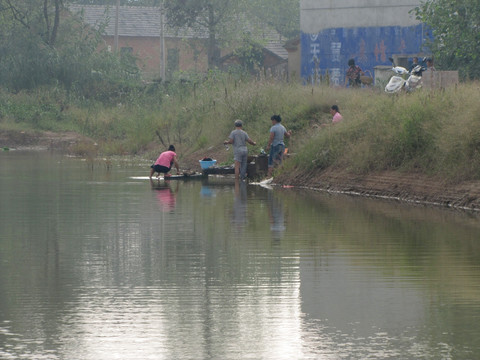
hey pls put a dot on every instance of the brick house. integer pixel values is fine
(140, 33)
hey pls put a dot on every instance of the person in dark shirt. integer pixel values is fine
(353, 74)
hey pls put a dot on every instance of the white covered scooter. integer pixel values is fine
(398, 82)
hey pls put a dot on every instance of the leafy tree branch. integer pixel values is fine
(456, 34)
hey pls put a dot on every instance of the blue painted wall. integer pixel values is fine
(330, 49)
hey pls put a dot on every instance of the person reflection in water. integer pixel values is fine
(239, 215)
(276, 216)
(165, 195)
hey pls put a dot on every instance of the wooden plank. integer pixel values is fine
(185, 176)
(219, 170)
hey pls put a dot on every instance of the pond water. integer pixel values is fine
(97, 262)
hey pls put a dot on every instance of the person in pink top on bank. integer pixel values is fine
(164, 162)
(337, 117)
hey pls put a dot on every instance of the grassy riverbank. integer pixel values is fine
(435, 133)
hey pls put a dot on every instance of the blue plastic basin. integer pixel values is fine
(207, 164)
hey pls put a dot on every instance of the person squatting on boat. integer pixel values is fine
(164, 163)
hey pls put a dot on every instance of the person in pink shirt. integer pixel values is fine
(337, 117)
(164, 162)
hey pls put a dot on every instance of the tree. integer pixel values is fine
(122, 2)
(281, 15)
(226, 22)
(39, 46)
(250, 54)
(221, 19)
(456, 34)
(27, 13)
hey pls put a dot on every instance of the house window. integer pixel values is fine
(173, 60)
(126, 54)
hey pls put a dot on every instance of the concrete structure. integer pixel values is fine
(439, 79)
(369, 31)
(294, 59)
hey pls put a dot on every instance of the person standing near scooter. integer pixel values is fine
(414, 63)
(430, 65)
(353, 74)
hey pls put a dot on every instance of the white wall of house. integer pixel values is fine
(317, 15)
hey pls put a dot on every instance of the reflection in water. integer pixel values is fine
(165, 194)
(239, 214)
(276, 215)
(91, 270)
(207, 191)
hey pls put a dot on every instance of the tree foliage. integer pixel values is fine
(226, 22)
(121, 2)
(281, 15)
(41, 18)
(36, 52)
(42, 44)
(222, 20)
(456, 30)
(250, 54)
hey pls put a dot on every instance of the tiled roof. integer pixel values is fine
(139, 21)
(142, 21)
(276, 47)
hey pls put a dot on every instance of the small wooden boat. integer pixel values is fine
(184, 176)
(215, 170)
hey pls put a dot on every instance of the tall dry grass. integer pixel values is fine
(432, 132)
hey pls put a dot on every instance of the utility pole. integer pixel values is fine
(115, 40)
(162, 42)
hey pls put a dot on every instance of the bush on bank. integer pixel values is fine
(430, 132)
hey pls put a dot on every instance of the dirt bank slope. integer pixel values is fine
(408, 187)
(402, 186)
